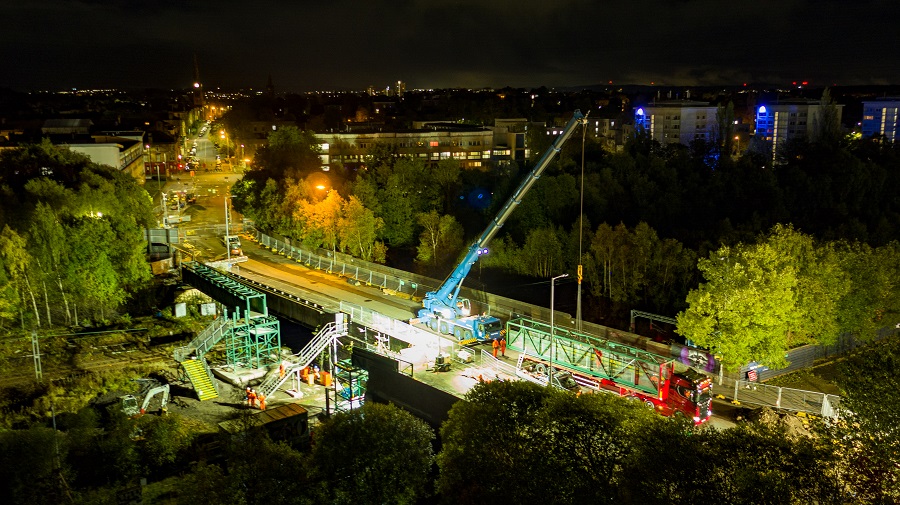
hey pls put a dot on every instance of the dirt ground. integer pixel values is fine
(823, 378)
(227, 406)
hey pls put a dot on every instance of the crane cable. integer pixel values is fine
(581, 227)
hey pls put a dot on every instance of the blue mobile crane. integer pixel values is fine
(443, 310)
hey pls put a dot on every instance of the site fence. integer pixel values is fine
(806, 356)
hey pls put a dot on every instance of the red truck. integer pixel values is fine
(606, 366)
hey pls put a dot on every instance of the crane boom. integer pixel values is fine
(443, 302)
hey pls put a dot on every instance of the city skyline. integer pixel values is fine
(60, 44)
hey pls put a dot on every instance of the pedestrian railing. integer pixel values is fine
(781, 398)
(203, 341)
(326, 336)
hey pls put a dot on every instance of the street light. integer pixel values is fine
(227, 243)
(552, 325)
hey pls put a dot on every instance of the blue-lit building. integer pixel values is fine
(781, 121)
(677, 121)
(880, 118)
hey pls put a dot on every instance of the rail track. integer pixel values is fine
(101, 358)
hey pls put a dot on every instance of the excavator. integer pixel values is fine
(130, 403)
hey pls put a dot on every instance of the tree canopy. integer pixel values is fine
(760, 300)
(72, 245)
(375, 454)
(517, 442)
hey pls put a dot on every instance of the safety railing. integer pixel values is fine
(204, 340)
(302, 359)
(343, 266)
(782, 398)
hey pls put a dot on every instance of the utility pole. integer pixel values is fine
(580, 232)
(552, 325)
(227, 243)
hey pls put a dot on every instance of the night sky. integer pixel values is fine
(349, 45)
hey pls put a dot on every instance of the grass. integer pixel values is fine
(823, 377)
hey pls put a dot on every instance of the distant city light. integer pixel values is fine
(762, 109)
(640, 111)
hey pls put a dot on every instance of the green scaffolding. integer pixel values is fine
(253, 344)
(252, 337)
(350, 385)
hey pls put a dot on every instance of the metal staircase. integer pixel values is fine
(295, 362)
(201, 377)
(197, 369)
(204, 341)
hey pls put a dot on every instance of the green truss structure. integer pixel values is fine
(597, 357)
(252, 337)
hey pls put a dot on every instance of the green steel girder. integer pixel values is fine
(232, 294)
(590, 355)
(253, 339)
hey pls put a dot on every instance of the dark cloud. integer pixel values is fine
(443, 43)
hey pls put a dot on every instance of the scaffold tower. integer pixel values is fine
(252, 337)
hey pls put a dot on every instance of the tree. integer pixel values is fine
(16, 262)
(260, 471)
(587, 441)
(375, 454)
(821, 284)
(743, 311)
(93, 273)
(398, 210)
(290, 152)
(746, 464)
(441, 238)
(866, 436)
(321, 220)
(871, 300)
(446, 176)
(107, 456)
(489, 445)
(542, 255)
(826, 125)
(164, 440)
(407, 192)
(48, 249)
(29, 471)
(545, 445)
(358, 229)
(724, 133)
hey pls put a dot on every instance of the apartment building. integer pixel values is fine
(124, 153)
(880, 118)
(781, 121)
(431, 143)
(677, 121)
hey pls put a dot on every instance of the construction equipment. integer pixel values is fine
(603, 365)
(130, 402)
(443, 310)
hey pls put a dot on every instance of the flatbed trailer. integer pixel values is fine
(602, 365)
